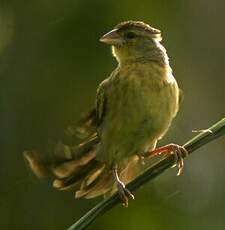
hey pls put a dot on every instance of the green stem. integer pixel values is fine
(196, 142)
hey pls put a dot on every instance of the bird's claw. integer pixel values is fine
(124, 193)
(178, 151)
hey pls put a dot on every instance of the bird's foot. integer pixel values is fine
(178, 151)
(123, 192)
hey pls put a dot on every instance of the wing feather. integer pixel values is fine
(101, 101)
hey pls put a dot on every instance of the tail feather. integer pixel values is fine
(62, 186)
(77, 168)
(100, 186)
(71, 167)
(104, 183)
(92, 176)
(76, 178)
(37, 163)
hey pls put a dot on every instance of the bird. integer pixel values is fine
(134, 109)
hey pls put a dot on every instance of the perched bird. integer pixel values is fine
(134, 108)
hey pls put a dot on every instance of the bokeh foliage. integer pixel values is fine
(50, 65)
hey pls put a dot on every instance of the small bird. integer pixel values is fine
(134, 108)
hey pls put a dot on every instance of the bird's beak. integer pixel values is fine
(112, 38)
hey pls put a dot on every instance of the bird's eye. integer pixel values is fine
(130, 35)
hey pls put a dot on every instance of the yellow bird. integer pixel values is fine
(134, 108)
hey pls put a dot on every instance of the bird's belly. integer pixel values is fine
(137, 119)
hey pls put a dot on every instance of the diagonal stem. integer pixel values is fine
(155, 170)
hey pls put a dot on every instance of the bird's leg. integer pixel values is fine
(178, 151)
(123, 192)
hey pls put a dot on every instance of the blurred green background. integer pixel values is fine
(50, 65)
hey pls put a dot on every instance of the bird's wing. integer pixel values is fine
(100, 103)
(85, 127)
(181, 96)
(75, 165)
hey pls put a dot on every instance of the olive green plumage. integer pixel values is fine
(134, 109)
(139, 100)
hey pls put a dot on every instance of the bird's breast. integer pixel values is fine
(143, 91)
(141, 103)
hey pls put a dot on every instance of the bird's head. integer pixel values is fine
(133, 40)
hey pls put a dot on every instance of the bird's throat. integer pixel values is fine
(126, 55)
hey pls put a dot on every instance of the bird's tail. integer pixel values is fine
(76, 167)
